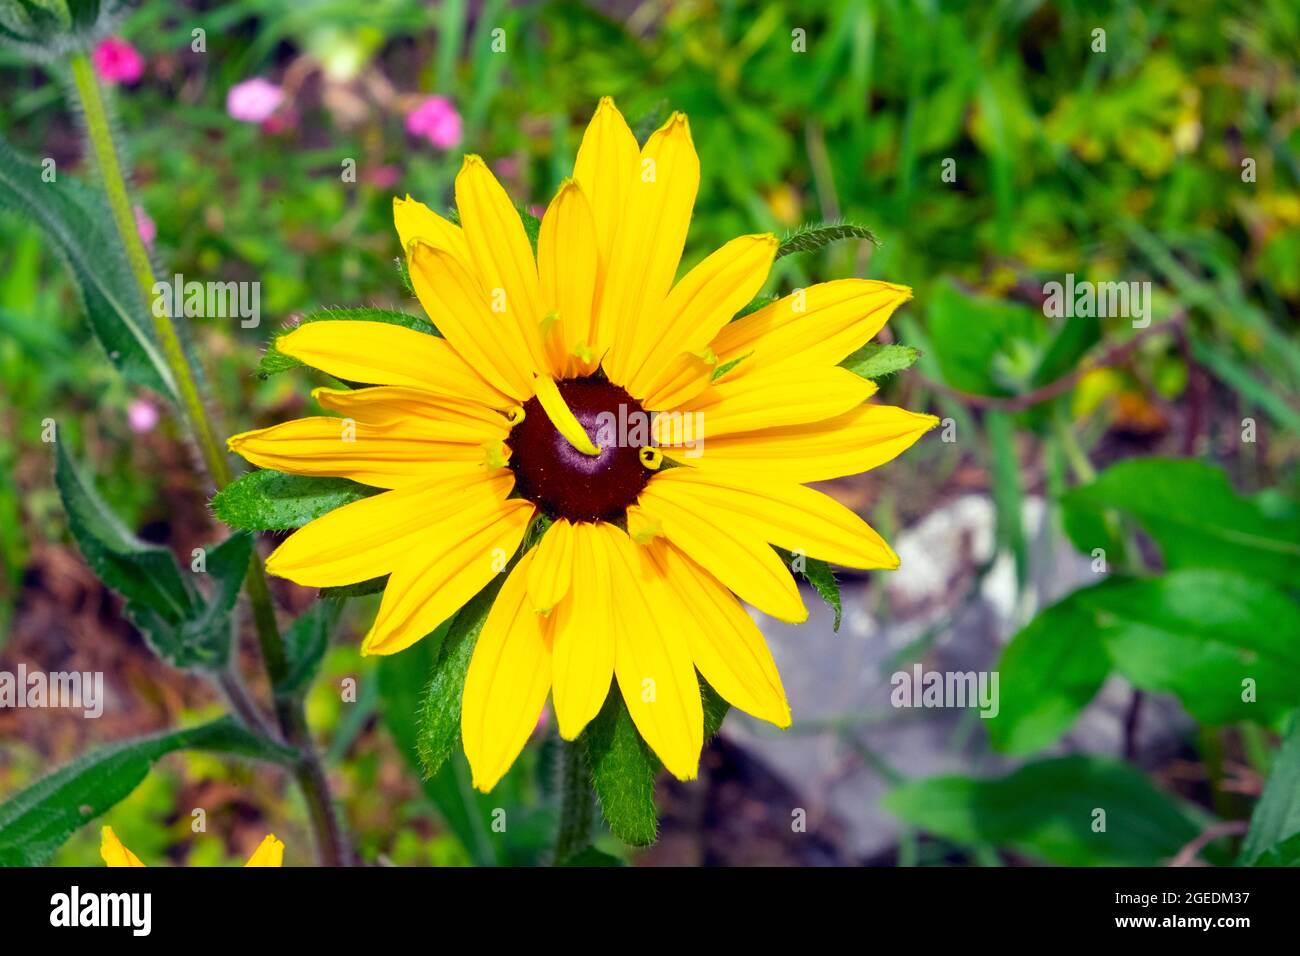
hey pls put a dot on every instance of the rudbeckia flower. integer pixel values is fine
(270, 852)
(667, 446)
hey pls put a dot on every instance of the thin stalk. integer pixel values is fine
(331, 842)
(573, 832)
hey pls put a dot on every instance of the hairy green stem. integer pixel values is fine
(573, 832)
(330, 839)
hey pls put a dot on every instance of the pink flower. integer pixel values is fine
(384, 177)
(116, 61)
(141, 415)
(145, 226)
(254, 100)
(436, 120)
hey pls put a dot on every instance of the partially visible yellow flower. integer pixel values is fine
(270, 852)
(655, 538)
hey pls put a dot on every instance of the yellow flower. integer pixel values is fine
(270, 852)
(535, 401)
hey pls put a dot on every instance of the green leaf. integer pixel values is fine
(1199, 634)
(1274, 835)
(35, 822)
(532, 227)
(819, 574)
(204, 639)
(268, 500)
(590, 857)
(1196, 518)
(305, 644)
(623, 771)
(77, 222)
(341, 592)
(876, 361)
(811, 238)
(984, 346)
(1046, 811)
(439, 720)
(275, 361)
(145, 574)
(1008, 496)
(726, 367)
(715, 709)
(1047, 675)
(402, 681)
(181, 626)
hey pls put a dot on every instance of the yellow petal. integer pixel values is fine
(552, 570)
(606, 168)
(583, 629)
(113, 852)
(270, 852)
(502, 254)
(482, 332)
(859, 440)
(507, 682)
(562, 417)
(567, 267)
(391, 404)
(818, 326)
(371, 537)
(726, 644)
(454, 560)
(790, 516)
(375, 353)
(652, 661)
(416, 221)
(752, 402)
(648, 244)
(383, 456)
(733, 553)
(698, 306)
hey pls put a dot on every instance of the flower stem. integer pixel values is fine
(573, 833)
(331, 842)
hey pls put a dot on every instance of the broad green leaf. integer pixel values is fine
(1201, 635)
(1050, 811)
(203, 640)
(811, 238)
(1274, 835)
(268, 500)
(305, 643)
(275, 361)
(623, 767)
(145, 574)
(35, 822)
(439, 720)
(182, 626)
(877, 361)
(78, 223)
(1196, 518)
(623, 771)
(1047, 675)
(985, 346)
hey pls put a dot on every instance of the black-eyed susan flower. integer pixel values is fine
(270, 852)
(668, 446)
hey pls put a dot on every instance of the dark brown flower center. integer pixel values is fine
(563, 481)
